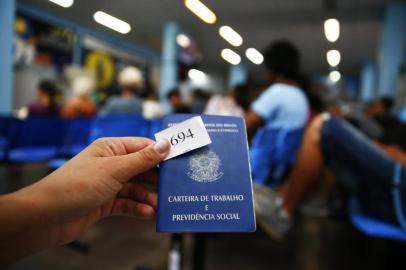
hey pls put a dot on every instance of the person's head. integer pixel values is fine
(130, 80)
(174, 98)
(199, 94)
(47, 93)
(240, 93)
(282, 61)
(83, 86)
(152, 97)
(387, 103)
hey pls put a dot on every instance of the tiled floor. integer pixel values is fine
(128, 244)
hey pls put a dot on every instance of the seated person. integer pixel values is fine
(81, 104)
(46, 103)
(362, 166)
(151, 108)
(199, 101)
(394, 131)
(176, 102)
(130, 80)
(227, 105)
(283, 106)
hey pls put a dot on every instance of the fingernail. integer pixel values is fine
(161, 146)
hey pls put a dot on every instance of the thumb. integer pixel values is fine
(143, 160)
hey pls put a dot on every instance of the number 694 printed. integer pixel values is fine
(181, 137)
(185, 136)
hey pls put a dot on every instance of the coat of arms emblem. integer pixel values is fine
(204, 166)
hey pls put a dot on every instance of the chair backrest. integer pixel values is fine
(118, 126)
(372, 226)
(155, 126)
(5, 129)
(5, 125)
(402, 115)
(37, 132)
(272, 152)
(78, 131)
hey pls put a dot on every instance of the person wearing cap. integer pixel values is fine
(130, 80)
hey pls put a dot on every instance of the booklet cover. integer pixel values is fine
(208, 189)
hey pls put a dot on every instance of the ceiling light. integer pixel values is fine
(333, 58)
(63, 3)
(230, 35)
(230, 56)
(334, 76)
(254, 55)
(332, 29)
(196, 75)
(201, 11)
(183, 40)
(112, 22)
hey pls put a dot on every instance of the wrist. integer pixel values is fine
(28, 211)
(23, 226)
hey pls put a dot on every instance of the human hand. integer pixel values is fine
(395, 152)
(95, 184)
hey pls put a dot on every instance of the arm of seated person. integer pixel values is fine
(66, 203)
(253, 122)
(395, 152)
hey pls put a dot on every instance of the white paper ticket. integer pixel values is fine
(185, 136)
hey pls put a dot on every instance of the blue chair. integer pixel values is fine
(377, 228)
(36, 139)
(5, 127)
(155, 126)
(104, 126)
(272, 152)
(372, 226)
(402, 115)
(56, 163)
(118, 126)
(76, 138)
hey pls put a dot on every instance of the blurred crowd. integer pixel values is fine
(50, 101)
(298, 134)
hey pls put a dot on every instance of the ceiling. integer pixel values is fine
(258, 21)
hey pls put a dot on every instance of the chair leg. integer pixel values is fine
(199, 252)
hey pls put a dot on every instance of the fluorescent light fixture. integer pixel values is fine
(183, 40)
(196, 75)
(333, 58)
(334, 76)
(63, 3)
(332, 29)
(230, 35)
(201, 11)
(254, 56)
(231, 56)
(112, 22)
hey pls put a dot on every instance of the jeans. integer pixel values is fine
(361, 167)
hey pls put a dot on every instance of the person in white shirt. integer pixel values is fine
(227, 105)
(152, 109)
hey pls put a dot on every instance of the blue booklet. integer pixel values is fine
(208, 189)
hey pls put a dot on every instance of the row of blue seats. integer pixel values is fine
(41, 138)
(56, 140)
